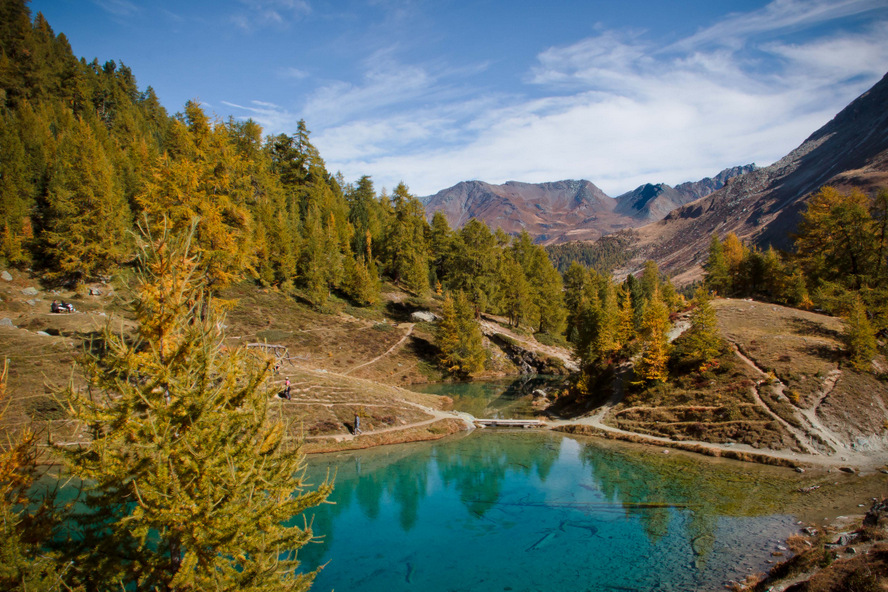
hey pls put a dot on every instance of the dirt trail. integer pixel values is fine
(810, 456)
(810, 414)
(800, 437)
(384, 354)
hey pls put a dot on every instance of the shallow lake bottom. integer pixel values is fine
(502, 510)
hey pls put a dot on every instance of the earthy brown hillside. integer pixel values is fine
(342, 361)
(763, 206)
(562, 211)
(782, 391)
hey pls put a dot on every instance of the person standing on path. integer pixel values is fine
(287, 389)
(357, 424)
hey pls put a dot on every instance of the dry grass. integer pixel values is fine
(714, 406)
(801, 348)
(323, 347)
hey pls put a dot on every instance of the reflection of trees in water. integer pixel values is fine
(496, 398)
(651, 486)
(363, 479)
(478, 472)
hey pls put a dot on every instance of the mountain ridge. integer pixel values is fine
(764, 206)
(561, 211)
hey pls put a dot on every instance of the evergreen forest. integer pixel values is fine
(97, 179)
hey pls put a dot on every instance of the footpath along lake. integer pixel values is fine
(531, 510)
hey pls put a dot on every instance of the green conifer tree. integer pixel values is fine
(704, 341)
(459, 338)
(655, 356)
(717, 278)
(861, 339)
(190, 480)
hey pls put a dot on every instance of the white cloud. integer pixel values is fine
(123, 8)
(263, 13)
(612, 108)
(386, 83)
(272, 118)
(293, 73)
(777, 15)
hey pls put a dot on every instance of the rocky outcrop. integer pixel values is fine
(527, 360)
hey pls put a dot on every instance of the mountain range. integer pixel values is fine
(567, 210)
(673, 225)
(763, 206)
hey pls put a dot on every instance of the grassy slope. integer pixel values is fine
(341, 361)
(781, 386)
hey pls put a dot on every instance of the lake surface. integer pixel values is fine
(508, 398)
(519, 510)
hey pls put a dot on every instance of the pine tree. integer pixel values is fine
(190, 480)
(516, 291)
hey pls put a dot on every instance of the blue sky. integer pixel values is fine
(433, 92)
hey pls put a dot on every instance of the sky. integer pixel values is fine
(434, 92)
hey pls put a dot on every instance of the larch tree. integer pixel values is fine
(25, 563)
(86, 218)
(717, 276)
(655, 355)
(705, 342)
(190, 478)
(203, 176)
(860, 337)
(459, 337)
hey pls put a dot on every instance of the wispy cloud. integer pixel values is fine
(385, 83)
(293, 73)
(614, 108)
(120, 8)
(264, 13)
(273, 118)
(738, 28)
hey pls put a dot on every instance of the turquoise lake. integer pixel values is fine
(520, 510)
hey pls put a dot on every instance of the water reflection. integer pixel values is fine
(544, 512)
(508, 398)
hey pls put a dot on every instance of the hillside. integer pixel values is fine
(763, 206)
(562, 211)
(779, 395)
(343, 361)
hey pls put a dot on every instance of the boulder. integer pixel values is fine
(423, 316)
(30, 291)
(7, 322)
(6, 276)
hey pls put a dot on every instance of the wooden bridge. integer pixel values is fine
(509, 423)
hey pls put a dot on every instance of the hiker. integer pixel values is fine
(54, 307)
(287, 389)
(357, 424)
(67, 307)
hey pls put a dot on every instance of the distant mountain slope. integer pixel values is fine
(653, 202)
(562, 211)
(764, 205)
(545, 210)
